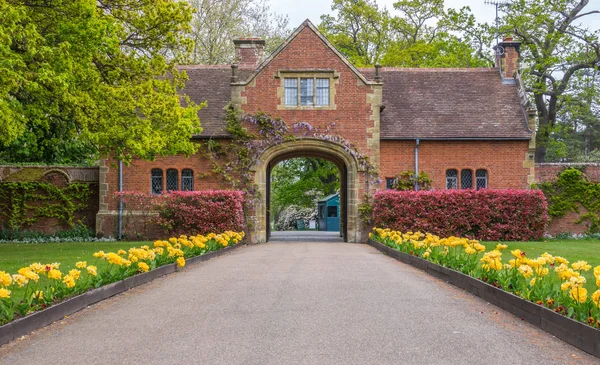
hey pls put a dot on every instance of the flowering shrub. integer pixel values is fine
(38, 286)
(290, 215)
(533, 279)
(201, 212)
(511, 215)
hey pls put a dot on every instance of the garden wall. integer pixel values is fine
(546, 172)
(61, 177)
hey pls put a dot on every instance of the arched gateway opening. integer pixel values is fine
(326, 150)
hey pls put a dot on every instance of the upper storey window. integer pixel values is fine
(306, 91)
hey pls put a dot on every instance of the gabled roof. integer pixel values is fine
(306, 24)
(327, 198)
(443, 104)
(470, 103)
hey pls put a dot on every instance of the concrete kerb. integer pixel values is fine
(573, 332)
(26, 325)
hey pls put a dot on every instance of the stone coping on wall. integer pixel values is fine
(26, 325)
(573, 332)
(18, 173)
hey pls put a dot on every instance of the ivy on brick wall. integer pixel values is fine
(23, 203)
(234, 159)
(571, 191)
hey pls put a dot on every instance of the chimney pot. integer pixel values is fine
(507, 57)
(378, 77)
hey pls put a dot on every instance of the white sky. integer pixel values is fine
(298, 11)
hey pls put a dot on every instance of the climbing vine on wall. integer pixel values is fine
(406, 181)
(23, 203)
(571, 191)
(252, 134)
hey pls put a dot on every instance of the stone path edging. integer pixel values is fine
(573, 332)
(26, 325)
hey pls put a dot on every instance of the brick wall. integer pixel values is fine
(502, 159)
(545, 172)
(351, 115)
(136, 177)
(549, 171)
(60, 176)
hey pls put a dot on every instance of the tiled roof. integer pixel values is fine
(419, 103)
(211, 83)
(449, 104)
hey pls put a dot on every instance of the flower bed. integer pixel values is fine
(547, 280)
(38, 286)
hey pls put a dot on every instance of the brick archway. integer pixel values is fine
(349, 182)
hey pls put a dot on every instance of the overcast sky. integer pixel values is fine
(298, 11)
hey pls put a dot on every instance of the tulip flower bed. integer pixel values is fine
(547, 280)
(38, 286)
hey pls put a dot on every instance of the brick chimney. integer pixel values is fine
(507, 57)
(249, 52)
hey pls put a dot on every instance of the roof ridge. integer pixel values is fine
(433, 69)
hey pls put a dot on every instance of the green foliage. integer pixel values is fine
(301, 182)
(23, 203)
(570, 191)
(556, 50)
(360, 30)
(365, 212)
(422, 34)
(79, 232)
(82, 77)
(406, 181)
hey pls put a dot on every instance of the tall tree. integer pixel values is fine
(576, 134)
(556, 48)
(360, 29)
(217, 22)
(419, 33)
(82, 77)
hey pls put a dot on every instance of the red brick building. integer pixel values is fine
(466, 128)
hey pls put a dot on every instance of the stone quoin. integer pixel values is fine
(466, 128)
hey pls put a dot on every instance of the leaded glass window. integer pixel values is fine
(451, 179)
(156, 181)
(307, 91)
(290, 92)
(389, 182)
(322, 92)
(466, 179)
(187, 180)
(172, 180)
(482, 179)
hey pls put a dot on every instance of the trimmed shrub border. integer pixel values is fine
(26, 325)
(573, 332)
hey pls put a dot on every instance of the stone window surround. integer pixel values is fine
(334, 78)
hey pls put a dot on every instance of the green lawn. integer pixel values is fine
(14, 256)
(572, 250)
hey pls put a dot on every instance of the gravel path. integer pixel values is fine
(294, 303)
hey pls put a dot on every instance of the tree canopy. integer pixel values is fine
(559, 57)
(82, 77)
(418, 33)
(301, 182)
